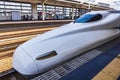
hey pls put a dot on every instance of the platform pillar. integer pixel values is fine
(34, 11)
(73, 13)
(43, 11)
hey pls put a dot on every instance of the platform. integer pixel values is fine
(110, 72)
(32, 23)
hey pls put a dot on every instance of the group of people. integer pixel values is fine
(25, 17)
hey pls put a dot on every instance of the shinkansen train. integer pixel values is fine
(58, 45)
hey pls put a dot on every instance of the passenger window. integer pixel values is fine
(88, 18)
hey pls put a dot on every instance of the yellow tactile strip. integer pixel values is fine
(5, 64)
(111, 71)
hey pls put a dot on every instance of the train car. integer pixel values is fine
(58, 45)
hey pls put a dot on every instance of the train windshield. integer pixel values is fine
(88, 18)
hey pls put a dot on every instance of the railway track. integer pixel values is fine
(24, 32)
(9, 51)
(10, 40)
(24, 28)
(15, 40)
(11, 74)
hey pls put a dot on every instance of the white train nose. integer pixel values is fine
(24, 63)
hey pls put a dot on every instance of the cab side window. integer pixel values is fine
(88, 18)
(95, 18)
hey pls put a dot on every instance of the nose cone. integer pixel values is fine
(24, 63)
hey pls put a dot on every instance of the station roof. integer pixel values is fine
(67, 3)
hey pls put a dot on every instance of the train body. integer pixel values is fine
(58, 45)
